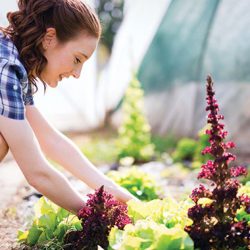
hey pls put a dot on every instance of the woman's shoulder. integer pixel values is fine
(15, 92)
(8, 49)
(10, 55)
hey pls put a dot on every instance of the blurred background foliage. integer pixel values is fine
(111, 15)
(135, 132)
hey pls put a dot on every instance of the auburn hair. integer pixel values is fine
(28, 25)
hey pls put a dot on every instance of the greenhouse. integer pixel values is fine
(124, 125)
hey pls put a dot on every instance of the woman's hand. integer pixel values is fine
(4, 148)
(120, 193)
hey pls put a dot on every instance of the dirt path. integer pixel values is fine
(11, 218)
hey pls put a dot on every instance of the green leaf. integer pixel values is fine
(62, 213)
(115, 238)
(137, 182)
(22, 235)
(60, 231)
(242, 215)
(149, 235)
(50, 224)
(42, 238)
(165, 242)
(43, 206)
(131, 243)
(187, 243)
(48, 221)
(34, 234)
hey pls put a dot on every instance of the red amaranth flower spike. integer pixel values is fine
(215, 225)
(237, 171)
(200, 192)
(208, 170)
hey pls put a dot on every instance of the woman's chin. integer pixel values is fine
(52, 84)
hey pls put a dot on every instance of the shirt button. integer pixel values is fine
(15, 87)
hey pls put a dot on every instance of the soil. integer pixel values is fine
(11, 219)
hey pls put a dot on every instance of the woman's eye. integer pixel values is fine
(77, 60)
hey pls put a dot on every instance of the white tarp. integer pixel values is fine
(140, 23)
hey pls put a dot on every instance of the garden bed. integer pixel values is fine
(20, 210)
(176, 181)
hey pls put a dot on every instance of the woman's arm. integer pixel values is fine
(4, 148)
(61, 149)
(38, 172)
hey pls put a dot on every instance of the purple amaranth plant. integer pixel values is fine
(101, 212)
(215, 225)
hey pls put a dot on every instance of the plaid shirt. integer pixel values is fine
(15, 90)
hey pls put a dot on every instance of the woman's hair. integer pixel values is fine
(28, 25)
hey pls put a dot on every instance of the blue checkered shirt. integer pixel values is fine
(15, 90)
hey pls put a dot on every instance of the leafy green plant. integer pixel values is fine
(185, 150)
(49, 226)
(245, 189)
(134, 134)
(100, 150)
(242, 214)
(158, 224)
(147, 234)
(137, 182)
(167, 211)
(190, 150)
(55, 228)
(164, 143)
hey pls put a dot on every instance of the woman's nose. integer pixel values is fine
(76, 72)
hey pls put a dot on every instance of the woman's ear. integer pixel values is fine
(49, 39)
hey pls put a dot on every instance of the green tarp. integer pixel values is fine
(197, 37)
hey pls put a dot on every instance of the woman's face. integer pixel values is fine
(65, 60)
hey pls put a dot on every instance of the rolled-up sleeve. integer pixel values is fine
(27, 92)
(11, 97)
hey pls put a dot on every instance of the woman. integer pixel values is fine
(48, 40)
